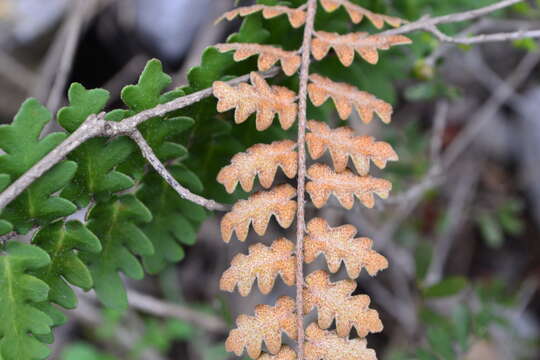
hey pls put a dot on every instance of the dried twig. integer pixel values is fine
(149, 155)
(165, 309)
(428, 23)
(300, 218)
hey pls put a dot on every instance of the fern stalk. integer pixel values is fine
(301, 141)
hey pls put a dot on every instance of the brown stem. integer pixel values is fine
(300, 218)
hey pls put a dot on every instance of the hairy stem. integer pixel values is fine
(300, 218)
(429, 23)
(184, 193)
(96, 125)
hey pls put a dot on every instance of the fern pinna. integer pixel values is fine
(333, 300)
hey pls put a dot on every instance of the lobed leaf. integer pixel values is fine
(365, 45)
(267, 325)
(268, 56)
(62, 241)
(334, 301)
(346, 96)
(345, 186)
(257, 210)
(20, 141)
(21, 321)
(342, 144)
(327, 345)
(116, 223)
(338, 244)
(175, 220)
(98, 158)
(262, 160)
(357, 13)
(296, 17)
(260, 98)
(264, 263)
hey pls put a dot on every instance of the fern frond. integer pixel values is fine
(357, 13)
(363, 43)
(286, 353)
(260, 159)
(257, 210)
(22, 147)
(334, 301)
(264, 263)
(296, 17)
(346, 96)
(97, 158)
(268, 56)
(327, 345)
(267, 325)
(342, 144)
(338, 244)
(174, 220)
(116, 223)
(62, 241)
(345, 186)
(260, 98)
(21, 321)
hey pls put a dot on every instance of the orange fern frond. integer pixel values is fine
(342, 144)
(296, 17)
(286, 353)
(257, 210)
(260, 98)
(346, 96)
(338, 244)
(334, 301)
(344, 185)
(268, 56)
(261, 159)
(263, 263)
(267, 325)
(364, 44)
(327, 345)
(357, 13)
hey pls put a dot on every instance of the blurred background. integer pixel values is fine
(461, 230)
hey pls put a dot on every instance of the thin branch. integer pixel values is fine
(96, 125)
(165, 309)
(80, 8)
(184, 193)
(300, 218)
(457, 214)
(439, 125)
(427, 23)
(484, 38)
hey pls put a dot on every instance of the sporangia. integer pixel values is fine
(333, 300)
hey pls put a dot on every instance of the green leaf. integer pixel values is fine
(491, 230)
(447, 287)
(83, 352)
(441, 342)
(20, 319)
(116, 224)
(97, 158)
(23, 148)
(62, 241)
(171, 225)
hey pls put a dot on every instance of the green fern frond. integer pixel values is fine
(23, 148)
(21, 321)
(175, 220)
(97, 158)
(116, 223)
